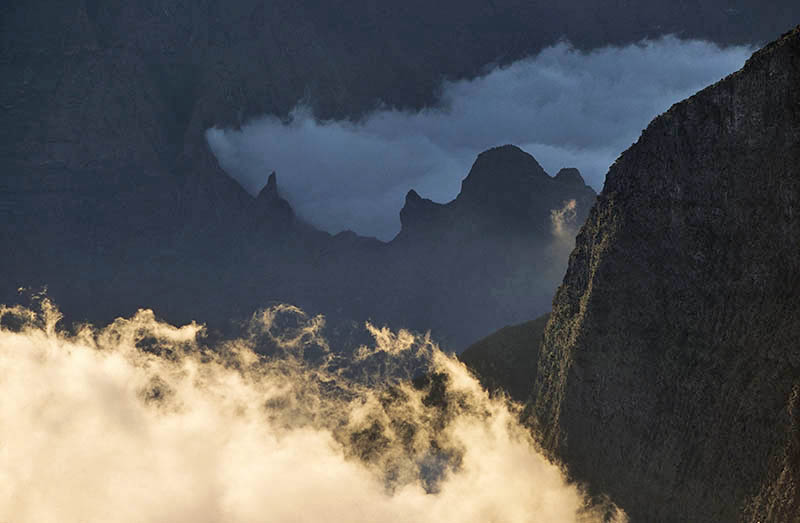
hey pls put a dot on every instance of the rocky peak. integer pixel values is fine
(269, 206)
(412, 197)
(506, 191)
(504, 169)
(269, 192)
(570, 176)
(418, 212)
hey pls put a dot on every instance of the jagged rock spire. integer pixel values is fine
(270, 190)
(269, 206)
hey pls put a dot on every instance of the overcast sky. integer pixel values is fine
(567, 108)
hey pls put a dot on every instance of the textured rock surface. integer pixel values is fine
(669, 371)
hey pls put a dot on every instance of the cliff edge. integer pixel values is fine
(670, 367)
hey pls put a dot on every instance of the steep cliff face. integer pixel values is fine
(669, 370)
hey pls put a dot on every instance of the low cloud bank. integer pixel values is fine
(567, 108)
(140, 421)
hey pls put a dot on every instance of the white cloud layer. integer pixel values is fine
(567, 108)
(139, 422)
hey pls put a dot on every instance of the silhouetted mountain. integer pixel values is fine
(488, 258)
(669, 371)
(462, 269)
(571, 176)
(492, 250)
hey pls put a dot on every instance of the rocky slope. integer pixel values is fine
(507, 360)
(670, 367)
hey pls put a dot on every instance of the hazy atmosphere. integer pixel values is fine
(567, 108)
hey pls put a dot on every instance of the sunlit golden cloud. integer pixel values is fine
(140, 421)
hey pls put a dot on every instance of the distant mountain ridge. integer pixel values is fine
(106, 176)
(460, 269)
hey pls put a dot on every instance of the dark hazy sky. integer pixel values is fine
(567, 108)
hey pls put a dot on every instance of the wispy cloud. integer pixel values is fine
(566, 107)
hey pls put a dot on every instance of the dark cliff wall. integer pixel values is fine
(669, 370)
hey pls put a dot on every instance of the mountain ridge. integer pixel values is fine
(225, 262)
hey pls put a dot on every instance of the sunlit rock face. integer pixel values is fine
(670, 368)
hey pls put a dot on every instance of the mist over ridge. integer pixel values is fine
(567, 107)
